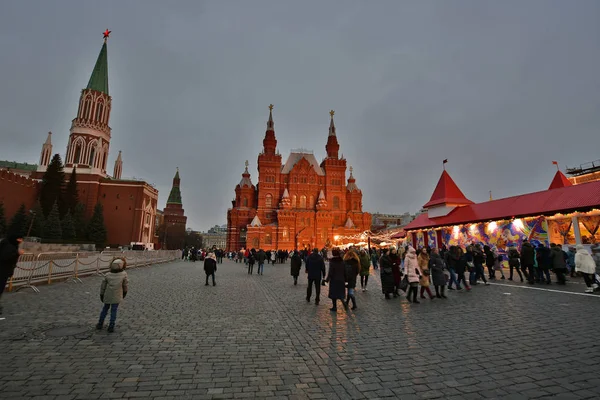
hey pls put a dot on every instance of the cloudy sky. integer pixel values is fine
(500, 88)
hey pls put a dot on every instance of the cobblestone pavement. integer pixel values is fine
(257, 337)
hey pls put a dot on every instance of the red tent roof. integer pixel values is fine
(565, 199)
(560, 180)
(399, 235)
(446, 192)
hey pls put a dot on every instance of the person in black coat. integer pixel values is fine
(336, 278)
(210, 267)
(9, 256)
(544, 261)
(296, 264)
(387, 274)
(315, 268)
(490, 260)
(352, 264)
(528, 261)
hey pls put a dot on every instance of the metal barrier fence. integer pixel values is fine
(47, 267)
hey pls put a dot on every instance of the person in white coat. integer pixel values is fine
(585, 264)
(112, 292)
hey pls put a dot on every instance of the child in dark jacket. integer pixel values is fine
(112, 292)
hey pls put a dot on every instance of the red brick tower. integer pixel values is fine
(244, 209)
(174, 218)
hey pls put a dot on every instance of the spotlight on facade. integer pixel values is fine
(518, 224)
(492, 226)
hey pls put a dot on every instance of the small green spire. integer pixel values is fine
(99, 79)
(175, 195)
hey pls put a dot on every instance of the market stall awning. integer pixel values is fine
(582, 197)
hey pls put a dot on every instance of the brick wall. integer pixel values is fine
(16, 189)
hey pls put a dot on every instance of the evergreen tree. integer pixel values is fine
(52, 185)
(71, 196)
(18, 223)
(68, 228)
(2, 221)
(79, 221)
(96, 231)
(52, 228)
(38, 219)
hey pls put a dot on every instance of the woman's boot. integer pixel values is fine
(415, 297)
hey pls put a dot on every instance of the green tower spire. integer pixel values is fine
(99, 79)
(175, 195)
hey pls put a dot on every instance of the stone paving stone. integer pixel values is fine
(256, 337)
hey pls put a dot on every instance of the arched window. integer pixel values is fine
(99, 111)
(311, 201)
(255, 243)
(77, 155)
(284, 233)
(245, 202)
(336, 202)
(268, 238)
(87, 108)
(302, 201)
(92, 154)
(269, 201)
(356, 206)
(294, 201)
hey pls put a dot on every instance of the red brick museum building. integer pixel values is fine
(296, 204)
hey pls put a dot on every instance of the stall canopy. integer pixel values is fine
(563, 198)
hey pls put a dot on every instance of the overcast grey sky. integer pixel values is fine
(500, 88)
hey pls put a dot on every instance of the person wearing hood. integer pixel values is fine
(336, 277)
(352, 265)
(9, 256)
(479, 259)
(559, 263)
(315, 268)
(437, 266)
(514, 263)
(497, 262)
(585, 264)
(386, 273)
(113, 290)
(295, 265)
(365, 267)
(210, 267)
(411, 267)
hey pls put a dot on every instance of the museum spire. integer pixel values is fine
(332, 146)
(270, 142)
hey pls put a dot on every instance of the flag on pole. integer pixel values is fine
(555, 162)
(445, 161)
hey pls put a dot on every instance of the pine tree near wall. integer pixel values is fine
(68, 228)
(96, 231)
(52, 185)
(52, 229)
(39, 221)
(79, 222)
(2, 221)
(71, 196)
(18, 223)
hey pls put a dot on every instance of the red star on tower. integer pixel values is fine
(106, 34)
